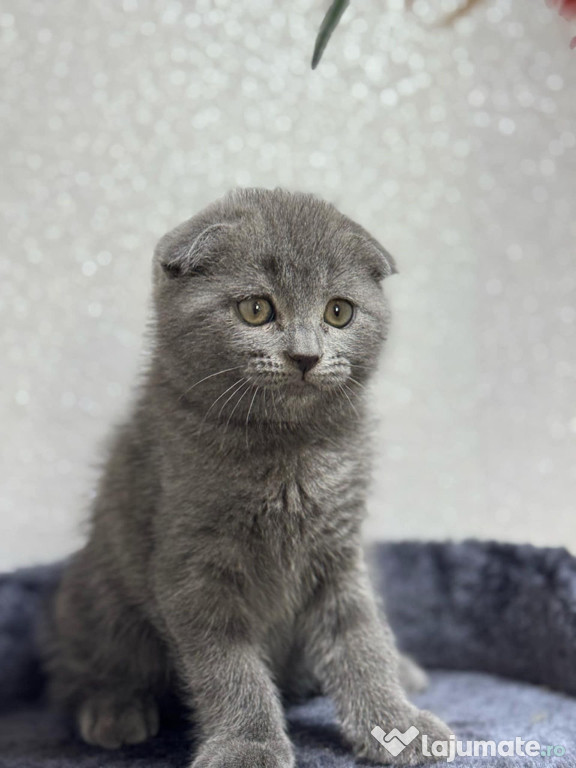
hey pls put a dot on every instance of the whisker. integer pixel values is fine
(275, 406)
(265, 403)
(248, 385)
(221, 396)
(248, 414)
(348, 398)
(211, 375)
(241, 384)
(351, 378)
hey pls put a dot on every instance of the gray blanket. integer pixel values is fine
(496, 623)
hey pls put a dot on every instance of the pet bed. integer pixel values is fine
(496, 623)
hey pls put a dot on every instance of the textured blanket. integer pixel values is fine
(496, 623)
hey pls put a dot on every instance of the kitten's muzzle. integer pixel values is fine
(305, 363)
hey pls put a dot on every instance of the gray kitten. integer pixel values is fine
(224, 557)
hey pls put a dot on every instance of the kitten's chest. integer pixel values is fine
(303, 522)
(303, 503)
(277, 522)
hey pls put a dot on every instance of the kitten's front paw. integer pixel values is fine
(402, 743)
(242, 753)
(111, 720)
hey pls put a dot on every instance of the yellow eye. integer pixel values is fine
(338, 312)
(256, 311)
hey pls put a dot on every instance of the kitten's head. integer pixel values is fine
(269, 306)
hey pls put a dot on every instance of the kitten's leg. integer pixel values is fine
(412, 677)
(106, 663)
(354, 656)
(236, 706)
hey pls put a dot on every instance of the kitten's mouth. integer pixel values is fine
(299, 385)
(296, 386)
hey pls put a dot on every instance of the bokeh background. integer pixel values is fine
(455, 146)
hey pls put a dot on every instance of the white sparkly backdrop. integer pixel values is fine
(456, 147)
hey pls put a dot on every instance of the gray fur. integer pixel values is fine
(224, 557)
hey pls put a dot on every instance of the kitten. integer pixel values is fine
(224, 557)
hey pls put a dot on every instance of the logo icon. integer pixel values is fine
(395, 741)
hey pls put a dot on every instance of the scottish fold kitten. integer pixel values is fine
(224, 558)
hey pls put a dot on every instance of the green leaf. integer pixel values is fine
(329, 24)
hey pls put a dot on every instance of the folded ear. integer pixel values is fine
(379, 262)
(383, 264)
(188, 249)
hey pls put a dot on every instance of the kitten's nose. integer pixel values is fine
(305, 362)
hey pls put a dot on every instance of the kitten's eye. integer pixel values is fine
(256, 311)
(338, 312)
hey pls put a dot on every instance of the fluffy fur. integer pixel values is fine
(224, 558)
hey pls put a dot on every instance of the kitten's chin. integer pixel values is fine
(300, 390)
